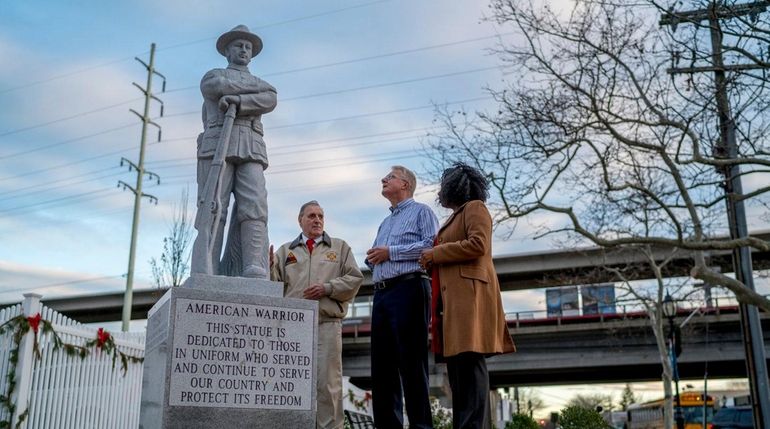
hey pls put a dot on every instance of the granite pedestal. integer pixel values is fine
(230, 352)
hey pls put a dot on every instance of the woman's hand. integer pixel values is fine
(426, 259)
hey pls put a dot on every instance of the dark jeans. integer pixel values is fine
(400, 317)
(469, 381)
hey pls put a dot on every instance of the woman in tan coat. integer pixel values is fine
(468, 317)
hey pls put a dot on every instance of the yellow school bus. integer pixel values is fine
(649, 415)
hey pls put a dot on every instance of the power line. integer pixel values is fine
(78, 218)
(88, 280)
(186, 160)
(279, 153)
(325, 186)
(293, 151)
(386, 133)
(319, 186)
(20, 153)
(273, 150)
(368, 58)
(275, 24)
(366, 115)
(287, 168)
(67, 164)
(315, 165)
(362, 88)
(83, 195)
(394, 83)
(325, 162)
(61, 76)
(15, 190)
(181, 162)
(381, 85)
(385, 55)
(277, 127)
(362, 59)
(67, 118)
(109, 154)
(344, 118)
(289, 21)
(285, 126)
(52, 145)
(48, 189)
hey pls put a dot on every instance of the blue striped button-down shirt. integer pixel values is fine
(410, 228)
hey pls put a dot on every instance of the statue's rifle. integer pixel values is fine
(207, 220)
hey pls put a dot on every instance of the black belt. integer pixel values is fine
(398, 279)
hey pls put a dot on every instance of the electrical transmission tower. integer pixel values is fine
(727, 148)
(140, 173)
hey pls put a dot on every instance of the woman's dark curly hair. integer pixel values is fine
(461, 183)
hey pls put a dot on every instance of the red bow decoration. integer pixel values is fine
(34, 322)
(102, 337)
(367, 396)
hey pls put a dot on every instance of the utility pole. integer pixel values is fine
(751, 329)
(140, 173)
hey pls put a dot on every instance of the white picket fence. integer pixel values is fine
(70, 392)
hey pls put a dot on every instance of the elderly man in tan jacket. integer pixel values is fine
(316, 266)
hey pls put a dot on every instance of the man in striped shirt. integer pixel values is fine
(401, 310)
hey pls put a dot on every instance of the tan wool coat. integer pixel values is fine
(473, 316)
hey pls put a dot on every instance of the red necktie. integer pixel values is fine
(310, 244)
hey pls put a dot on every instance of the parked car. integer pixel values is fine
(733, 418)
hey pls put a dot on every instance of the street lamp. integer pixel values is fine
(669, 311)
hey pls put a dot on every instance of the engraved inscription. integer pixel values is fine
(241, 356)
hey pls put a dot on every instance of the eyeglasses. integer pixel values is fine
(392, 176)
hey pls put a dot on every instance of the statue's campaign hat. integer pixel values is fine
(239, 32)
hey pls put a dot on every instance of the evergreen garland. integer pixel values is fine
(20, 325)
(360, 404)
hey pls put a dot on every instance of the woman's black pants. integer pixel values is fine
(469, 381)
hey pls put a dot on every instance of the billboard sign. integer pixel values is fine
(563, 301)
(598, 299)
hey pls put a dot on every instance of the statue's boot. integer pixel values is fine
(254, 243)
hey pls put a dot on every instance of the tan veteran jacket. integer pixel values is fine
(331, 264)
(473, 316)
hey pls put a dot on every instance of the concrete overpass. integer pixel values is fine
(586, 350)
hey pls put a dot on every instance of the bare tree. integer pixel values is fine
(174, 263)
(594, 132)
(529, 401)
(651, 299)
(591, 401)
(596, 143)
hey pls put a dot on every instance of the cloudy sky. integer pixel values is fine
(357, 81)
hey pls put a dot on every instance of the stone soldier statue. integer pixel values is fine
(231, 160)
